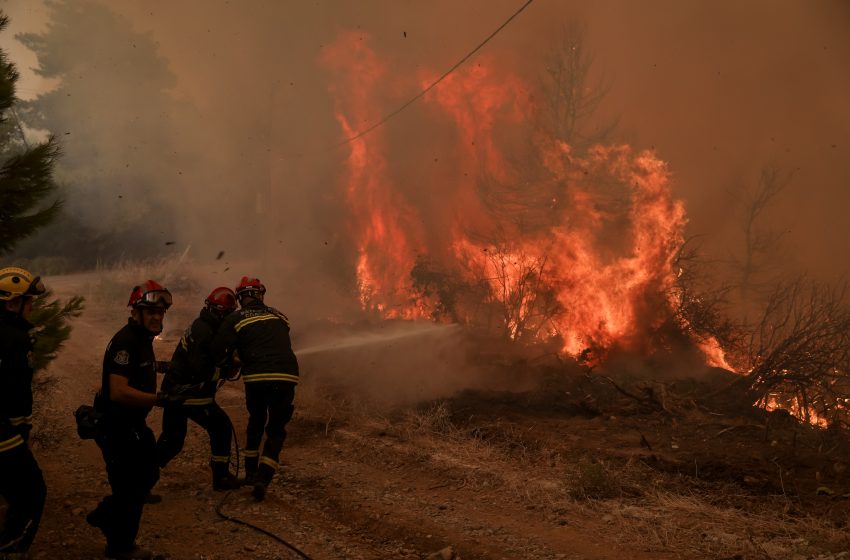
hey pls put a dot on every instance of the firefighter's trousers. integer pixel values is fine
(270, 408)
(209, 416)
(22, 486)
(131, 466)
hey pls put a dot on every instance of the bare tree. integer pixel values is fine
(531, 200)
(522, 291)
(759, 242)
(799, 353)
(505, 292)
(700, 303)
(570, 99)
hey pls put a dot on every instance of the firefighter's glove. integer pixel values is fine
(166, 400)
(230, 373)
(229, 370)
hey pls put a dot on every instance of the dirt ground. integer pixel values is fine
(564, 468)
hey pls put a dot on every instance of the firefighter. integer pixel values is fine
(193, 374)
(21, 482)
(260, 336)
(127, 394)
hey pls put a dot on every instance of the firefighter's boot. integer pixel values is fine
(223, 480)
(261, 482)
(259, 491)
(251, 469)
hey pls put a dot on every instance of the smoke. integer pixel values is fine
(717, 90)
(242, 154)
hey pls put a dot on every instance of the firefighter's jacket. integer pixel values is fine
(16, 369)
(260, 336)
(193, 373)
(129, 354)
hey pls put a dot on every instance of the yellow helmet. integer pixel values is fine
(16, 282)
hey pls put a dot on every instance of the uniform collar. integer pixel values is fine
(210, 317)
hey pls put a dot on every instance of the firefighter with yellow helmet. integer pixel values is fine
(21, 484)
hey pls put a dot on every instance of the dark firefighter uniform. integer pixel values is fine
(260, 336)
(21, 482)
(127, 444)
(194, 376)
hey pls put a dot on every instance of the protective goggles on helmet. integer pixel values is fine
(155, 298)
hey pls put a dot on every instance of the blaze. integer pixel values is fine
(381, 221)
(803, 414)
(548, 243)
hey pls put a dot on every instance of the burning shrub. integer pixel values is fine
(513, 231)
(507, 295)
(798, 355)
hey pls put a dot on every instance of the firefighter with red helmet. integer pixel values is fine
(259, 334)
(127, 395)
(21, 483)
(193, 375)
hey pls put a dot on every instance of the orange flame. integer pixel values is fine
(796, 410)
(381, 220)
(596, 232)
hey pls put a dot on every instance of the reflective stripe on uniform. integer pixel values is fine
(248, 321)
(220, 458)
(11, 443)
(249, 377)
(250, 452)
(18, 420)
(269, 461)
(198, 402)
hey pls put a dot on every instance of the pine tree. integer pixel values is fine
(26, 184)
(26, 174)
(112, 103)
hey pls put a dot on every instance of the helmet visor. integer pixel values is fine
(156, 298)
(251, 291)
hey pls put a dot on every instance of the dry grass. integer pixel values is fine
(48, 266)
(594, 481)
(641, 507)
(115, 282)
(690, 525)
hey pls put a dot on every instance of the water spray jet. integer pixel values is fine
(370, 338)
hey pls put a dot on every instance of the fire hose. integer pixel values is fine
(181, 389)
(278, 538)
(232, 519)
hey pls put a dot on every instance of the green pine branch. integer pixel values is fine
(26, 179)
(51, 319)
(26, 185)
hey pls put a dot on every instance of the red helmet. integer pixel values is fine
(221, 300)
(150, 294)
(250, 287)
